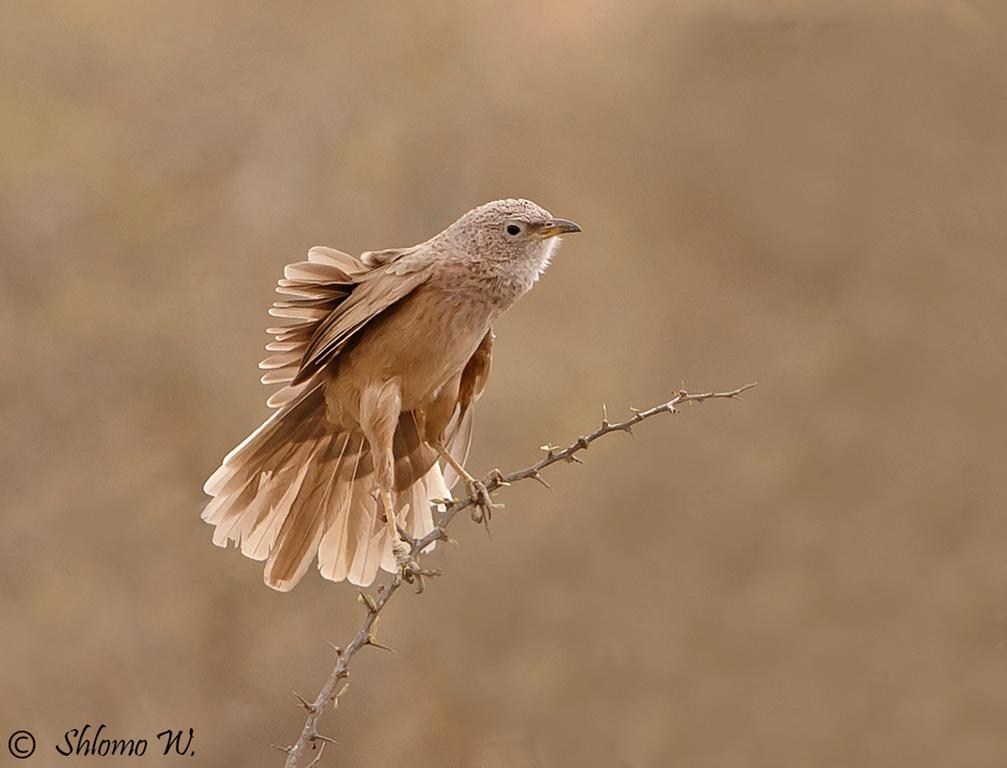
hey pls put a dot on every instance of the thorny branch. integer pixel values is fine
(336, 685)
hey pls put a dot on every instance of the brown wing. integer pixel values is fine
(477, 372)
(475, 376)
(331, 296)
(390, 281)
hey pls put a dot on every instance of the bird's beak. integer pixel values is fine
(555, 227)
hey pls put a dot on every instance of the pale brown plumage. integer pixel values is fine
(381, 369)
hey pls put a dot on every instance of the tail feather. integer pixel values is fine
(297, 540)
(268, 445)
(333, 560)
(365, 542)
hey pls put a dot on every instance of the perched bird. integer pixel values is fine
(381, 370)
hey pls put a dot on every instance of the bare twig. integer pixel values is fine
(330, 692)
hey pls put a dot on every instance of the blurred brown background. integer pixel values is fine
(807, 194)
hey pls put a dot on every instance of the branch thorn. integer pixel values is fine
(373, 642)
(537, 476)
(304, 702)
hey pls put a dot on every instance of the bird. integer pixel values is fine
(381, 367)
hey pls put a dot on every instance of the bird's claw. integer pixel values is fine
(403, 554)
(496, 477)
(409, 568)
(482, 503)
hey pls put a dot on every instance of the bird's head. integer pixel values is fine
(510, 230)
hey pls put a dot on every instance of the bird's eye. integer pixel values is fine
(513, 229)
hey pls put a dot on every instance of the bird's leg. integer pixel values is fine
(432, 422)
(484, 505)
(399, 547)
(379, 415)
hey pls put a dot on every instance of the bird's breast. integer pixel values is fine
(423, 341)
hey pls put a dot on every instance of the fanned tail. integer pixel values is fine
(296, 488)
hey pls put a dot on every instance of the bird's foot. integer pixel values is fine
(482, 503)
(402, 551)
(409, 568)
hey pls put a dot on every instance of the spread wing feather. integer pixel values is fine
(331, 297)
(392, 278)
